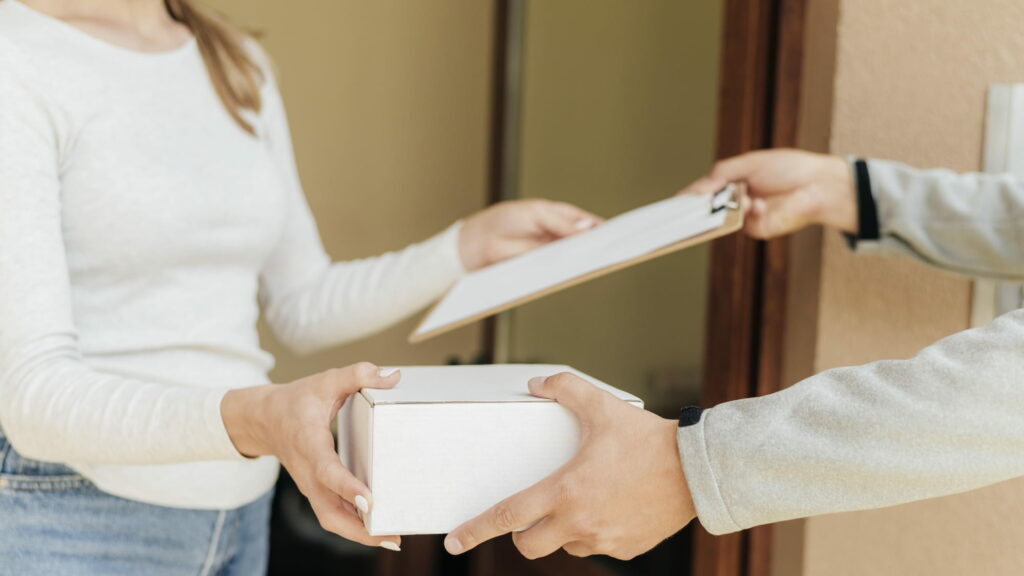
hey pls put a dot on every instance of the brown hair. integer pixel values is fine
(234, 73)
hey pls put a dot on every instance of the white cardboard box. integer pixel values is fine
(448, 442)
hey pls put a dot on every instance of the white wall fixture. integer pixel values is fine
(1004, 152)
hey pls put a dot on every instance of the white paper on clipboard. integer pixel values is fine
(627, 237)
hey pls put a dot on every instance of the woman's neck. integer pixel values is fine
(142, 25)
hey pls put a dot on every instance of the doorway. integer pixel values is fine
(606, 103)
(612, 105)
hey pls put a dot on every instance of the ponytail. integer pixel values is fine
(234, 73)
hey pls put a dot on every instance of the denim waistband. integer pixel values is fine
(20, 473)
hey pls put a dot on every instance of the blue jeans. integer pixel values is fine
(54, 521)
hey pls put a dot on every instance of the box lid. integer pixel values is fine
(460, 384)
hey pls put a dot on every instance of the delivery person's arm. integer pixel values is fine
(946, 421)
(968, 223)
(972, 224)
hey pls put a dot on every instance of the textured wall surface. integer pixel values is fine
(910, 84)
(389, 107)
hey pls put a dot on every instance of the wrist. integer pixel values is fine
(246, 418)
(671, 434)
(471, 249)
(842, 210)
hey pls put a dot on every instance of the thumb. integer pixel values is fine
(579, 396)
(773, 217)
(354, 378)
(559, 219)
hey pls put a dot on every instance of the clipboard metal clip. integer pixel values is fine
(725, 199)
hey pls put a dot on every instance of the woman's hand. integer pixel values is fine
(788, 190)
(511, 228)
(293, 423)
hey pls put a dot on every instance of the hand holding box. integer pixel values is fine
(448, 442)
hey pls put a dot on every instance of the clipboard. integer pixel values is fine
(725, 201)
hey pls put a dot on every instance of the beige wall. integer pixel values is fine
(389, 107)
(910, 78)
(619, 108)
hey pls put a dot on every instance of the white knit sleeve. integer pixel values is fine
(53, 406)
(312, 303)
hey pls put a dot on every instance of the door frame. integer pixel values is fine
(759, 104)
(760, 83)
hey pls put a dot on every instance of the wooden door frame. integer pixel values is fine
(759, 102)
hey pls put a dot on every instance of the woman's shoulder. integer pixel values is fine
(30, 80)
(33, 54)
(38, 69)
(24, 38)
(15, 39)
(36, 89)
(20, 69)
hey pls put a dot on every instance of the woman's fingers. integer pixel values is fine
(559, 219)
(337, 496)
(298, 421)
(582, 219)
(336, 478)
(337, 517)
(512, 248)
(385, 378)
(321, 463)
(351, 379)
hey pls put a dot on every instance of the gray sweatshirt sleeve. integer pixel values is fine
(943, 422)
(972, 224)
(946, 421)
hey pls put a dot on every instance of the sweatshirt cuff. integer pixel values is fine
(700, 477)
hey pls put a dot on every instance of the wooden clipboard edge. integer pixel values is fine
(733, 223)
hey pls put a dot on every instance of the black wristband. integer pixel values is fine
(867, 210)
(689, 416)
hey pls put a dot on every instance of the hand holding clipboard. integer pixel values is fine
(631, 238)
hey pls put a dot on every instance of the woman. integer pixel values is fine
(149, 209)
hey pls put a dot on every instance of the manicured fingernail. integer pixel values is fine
(585, 224)
(362, 504)
(385, 372)
(453, 546)
(536, 382)
(389, 545)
